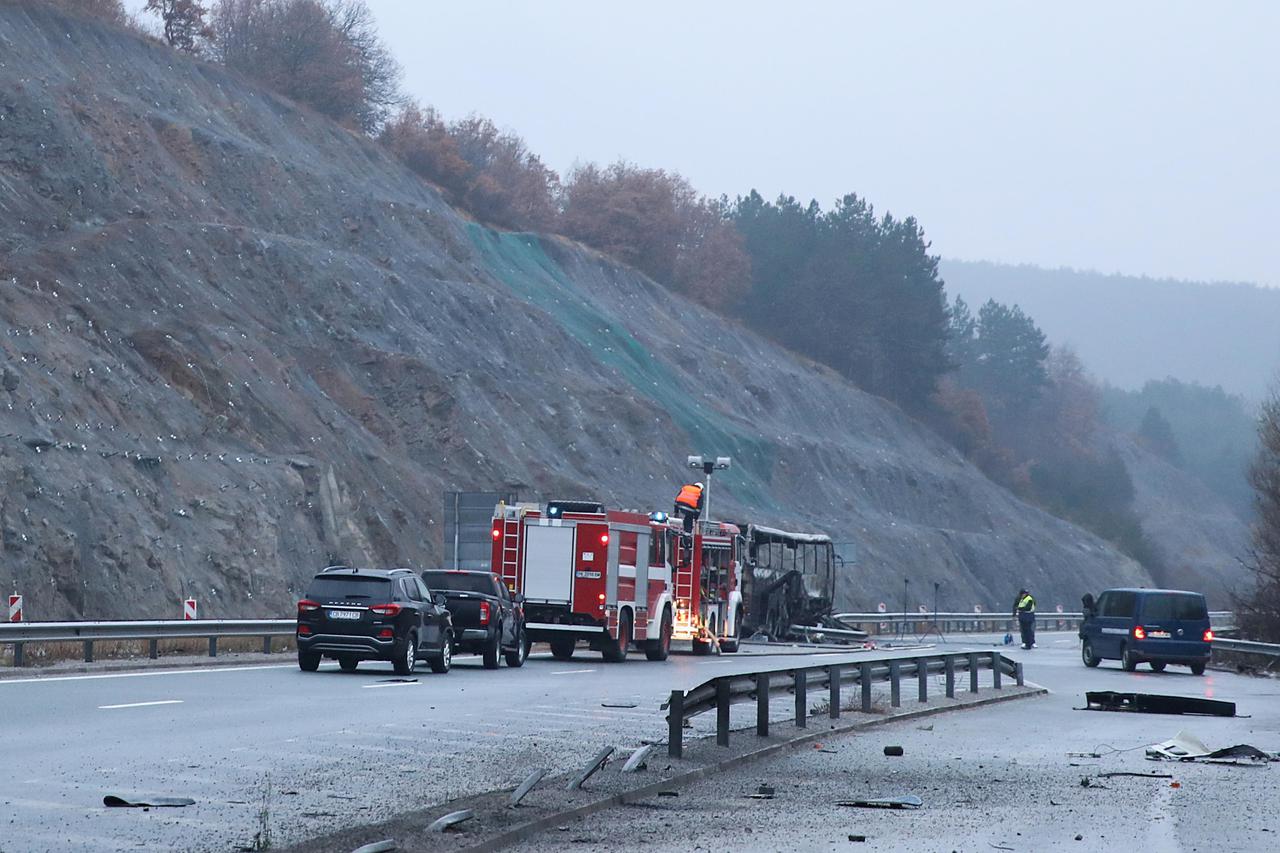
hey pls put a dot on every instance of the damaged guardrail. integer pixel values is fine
(832, 674)
(953, 622)
(19, 634)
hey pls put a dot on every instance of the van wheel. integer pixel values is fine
(1087, 655)
(562, 648)
(1128, 660)
(1197, 668)
(1157, 666)
(660, 648)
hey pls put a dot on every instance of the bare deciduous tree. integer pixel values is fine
(185, 22)
(1258, 611)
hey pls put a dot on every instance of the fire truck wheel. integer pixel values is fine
(492, 650)
(659, 649)
(562, 649)
(616, 652)
(730, 644)
(701, 648)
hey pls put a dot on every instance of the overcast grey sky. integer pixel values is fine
(1136, 137)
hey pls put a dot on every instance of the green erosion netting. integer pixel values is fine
(523, 266)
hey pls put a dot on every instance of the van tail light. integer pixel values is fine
(484, 613)
(1139, 633)
(385, 609)
(307, 606)
(1208, 635)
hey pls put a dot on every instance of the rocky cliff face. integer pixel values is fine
(240, 342)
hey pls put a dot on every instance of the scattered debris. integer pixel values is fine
(927, 728)
(451, 820)
(668, 793)
(764, 792)
(397, 681)
(1079, 837)
(619, 704)
(596, 763)
(318, 814)
(526, 786)
(1087, 782)
(638, 760)
(114, 802)
(1185, 746)
(1155, 703)
(857, 838)
(1001, 846)
(910, 801)
(377, 847)
(893, 750)
(1139, 775)
(341, 797)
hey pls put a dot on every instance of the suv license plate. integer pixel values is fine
(344, 614)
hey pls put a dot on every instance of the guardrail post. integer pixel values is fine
(153, 648)
(864, 681)
(802, 698)
(922, 677)
(722, 712)
(973, 673)
(895, 688)
(675, 725)
(833, 686)
(213, 647)
(88, 651)
(950, 665)
(266, 645)
(1018, 673)
(995, 670)
(762, 704)
(17, 654)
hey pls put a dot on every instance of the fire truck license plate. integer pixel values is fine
(344, 614)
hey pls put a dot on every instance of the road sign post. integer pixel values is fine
(15, 608)
(189, 609)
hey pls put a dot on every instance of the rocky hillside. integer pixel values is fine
(239, 341)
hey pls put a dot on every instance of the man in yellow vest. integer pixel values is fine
(1025, 611)
(689, 504)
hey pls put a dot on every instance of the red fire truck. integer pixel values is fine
(619, 578)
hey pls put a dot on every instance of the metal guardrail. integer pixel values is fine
(961, 622)
(19, 634)
(1270, 651)
(724, 691)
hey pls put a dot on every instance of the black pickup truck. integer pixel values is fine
(488, 619)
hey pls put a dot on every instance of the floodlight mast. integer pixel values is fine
(720, 463)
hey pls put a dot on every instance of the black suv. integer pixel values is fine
(373, 614)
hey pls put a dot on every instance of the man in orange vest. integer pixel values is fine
(689, 504)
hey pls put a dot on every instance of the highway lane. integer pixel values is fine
(314, 751)
(999, 778)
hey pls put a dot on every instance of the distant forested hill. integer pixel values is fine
(1128, 330)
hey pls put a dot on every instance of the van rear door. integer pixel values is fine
(1175, 623)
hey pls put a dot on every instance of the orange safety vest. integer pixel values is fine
(690, 495)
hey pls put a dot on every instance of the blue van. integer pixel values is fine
(1155, 626)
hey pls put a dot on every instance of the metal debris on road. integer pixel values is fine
(377, 847)
(450, 820)
(764, 792)
(619, 704)
(638, 760)
(526, 786)
(1138, 775)
(668, 793)
(893, 750)
(596, 763)
(112, 801)
(857, 838)
(1185, 746)
(1155, 703)
(910, 801)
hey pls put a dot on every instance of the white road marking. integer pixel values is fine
(392, 684)
(51, 678)
(571, 671)
(141, 704)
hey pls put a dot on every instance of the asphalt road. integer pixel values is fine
(304, 753)
(996, 778)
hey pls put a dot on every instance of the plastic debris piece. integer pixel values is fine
(112, 801)
(526, 786)
(377, 847)
(1155, 703)
(450, 820)
(909, 801)
(893, 750)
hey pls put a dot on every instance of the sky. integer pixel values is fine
(1137, 137)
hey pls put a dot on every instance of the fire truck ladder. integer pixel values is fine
(684, 579)
(510, 550)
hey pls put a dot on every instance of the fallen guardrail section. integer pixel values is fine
(19, 634)
(832, 674)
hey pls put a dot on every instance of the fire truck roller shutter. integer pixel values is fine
(548, 563)
(640, 625)
(611, 576)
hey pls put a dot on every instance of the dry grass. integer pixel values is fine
(46, 654)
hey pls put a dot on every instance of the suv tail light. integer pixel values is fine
(1139, 633)
(306, 606)
(484, 613)
(385, 609)
(1208, 635)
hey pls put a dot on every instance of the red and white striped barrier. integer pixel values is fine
(189, 609)
(15, 608)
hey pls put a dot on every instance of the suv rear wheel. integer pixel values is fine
(406, 655)
(308, 661)
(348, 663)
